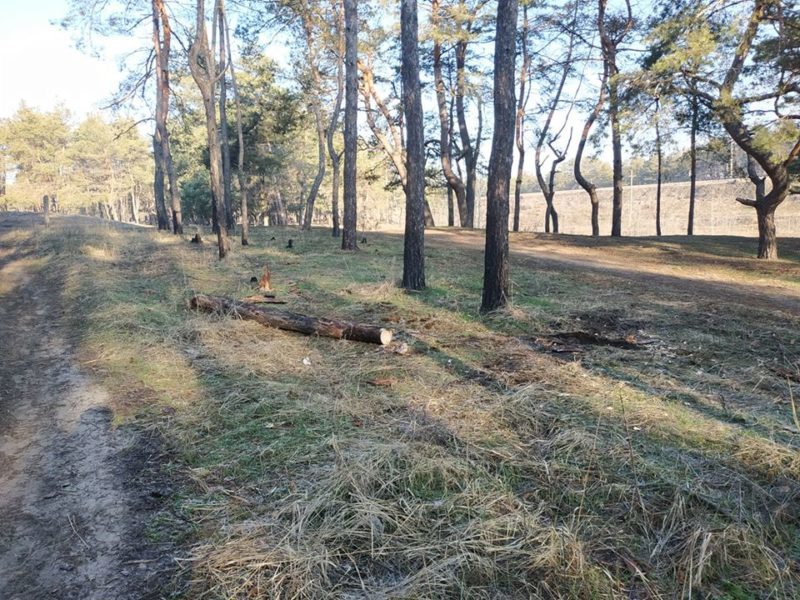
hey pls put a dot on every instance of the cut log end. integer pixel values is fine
(386, 336)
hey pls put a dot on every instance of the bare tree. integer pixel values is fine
(495, 274)
(414, 238)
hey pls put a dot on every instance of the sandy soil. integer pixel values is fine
(73, 501)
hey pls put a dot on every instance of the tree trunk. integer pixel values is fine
(243, 191)
(522, 101)
(468, 150)
(589, 187)
(496, 268)
(227, 186)
(451, 209)
(454, 183)
(693, 166)
(767, 241)
(334, 122)
(616, 145)
(609, 42)
(162, 40)
(316, 110)
(548, 186)
(158, 183)
(134, 207)
(350, 125)
(394, 149)
(291, 321)
(201, 65)
(414, 238)
(658, 168)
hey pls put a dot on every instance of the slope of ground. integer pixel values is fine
(624, 430)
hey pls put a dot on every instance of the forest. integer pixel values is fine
(278, 322)
(684, 90)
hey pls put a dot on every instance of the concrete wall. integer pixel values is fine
(716, 210)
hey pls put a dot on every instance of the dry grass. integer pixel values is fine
(476, 465)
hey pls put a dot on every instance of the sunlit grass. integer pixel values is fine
(476, 464)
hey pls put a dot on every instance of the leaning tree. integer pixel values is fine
(755, 94)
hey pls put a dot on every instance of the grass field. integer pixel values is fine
(624, 430)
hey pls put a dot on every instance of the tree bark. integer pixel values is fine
(291, 321)
(350, 125)
(496, 268)
(451, 209)
(414, 238)
(692, 166)
(454, 183)
(767, 240)
(201, 65)
(158, 183)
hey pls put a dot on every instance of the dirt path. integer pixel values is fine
(72, 514)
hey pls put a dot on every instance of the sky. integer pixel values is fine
(41, 66)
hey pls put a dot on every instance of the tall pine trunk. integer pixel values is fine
(454, 183)
(496, 268)
(522, 101)
(616, 146)
(414, 238)
(227, 186)
(658, 169)
(201, 65)
(243, 191)
(162, 39)
(589, 187)
(334, 122)
(693, 166)
(350, 125)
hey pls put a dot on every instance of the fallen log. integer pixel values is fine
(291, 321)
(265, 299)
